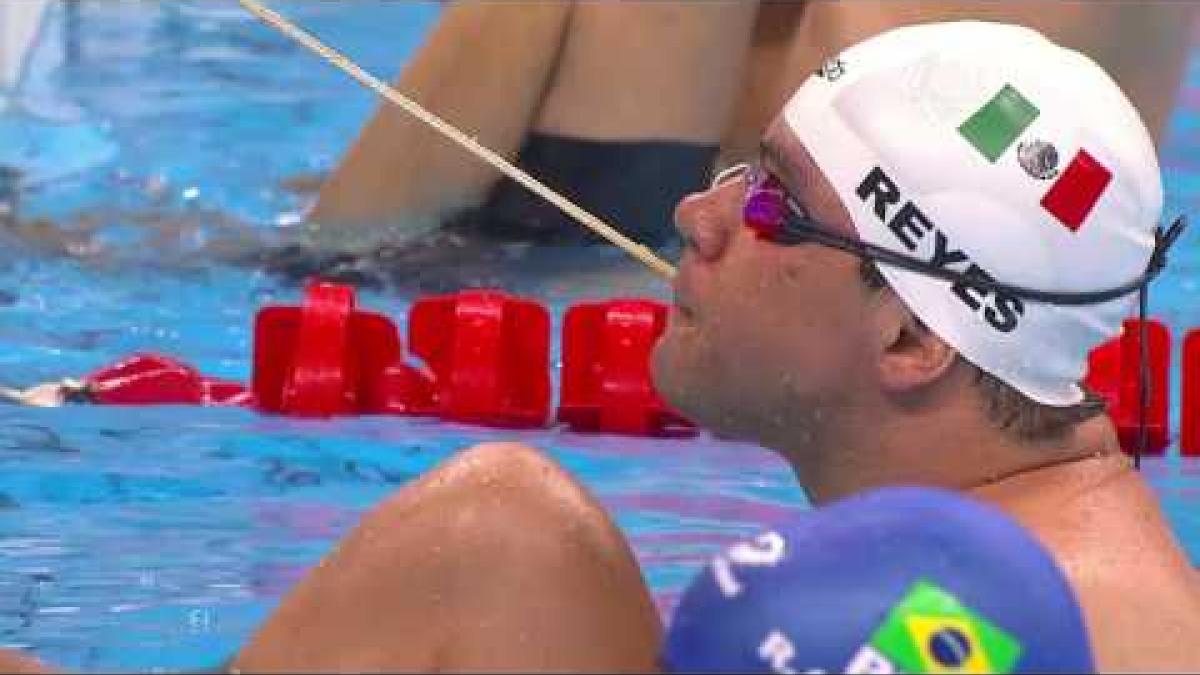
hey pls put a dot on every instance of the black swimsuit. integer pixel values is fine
(632, 185)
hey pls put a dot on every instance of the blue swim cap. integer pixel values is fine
(895, 580)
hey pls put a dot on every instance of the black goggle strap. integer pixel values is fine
(1158, 260)
(1143, 378)
(800, 230)
(803, 230)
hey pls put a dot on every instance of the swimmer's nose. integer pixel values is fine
(707, 220)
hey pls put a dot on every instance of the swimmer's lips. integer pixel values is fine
(680, 307)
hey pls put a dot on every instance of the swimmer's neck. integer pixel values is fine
(950, 453)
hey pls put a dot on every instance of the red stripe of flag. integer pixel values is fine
(1073, 196)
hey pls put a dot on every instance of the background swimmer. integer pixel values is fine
(846, 367)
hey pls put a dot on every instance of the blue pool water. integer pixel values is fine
(156, 137)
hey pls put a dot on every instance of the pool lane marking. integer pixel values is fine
(638, 251)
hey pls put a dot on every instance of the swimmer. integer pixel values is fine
(899, 580)
(625, 107)
(978, 148)
(979, 152)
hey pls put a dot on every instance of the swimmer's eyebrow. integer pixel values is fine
(774, 160)
(770, 155)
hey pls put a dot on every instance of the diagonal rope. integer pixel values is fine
(641, 253)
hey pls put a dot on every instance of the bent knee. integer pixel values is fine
(523, 482)
(496, 460)
(496, 486)
(522, 473)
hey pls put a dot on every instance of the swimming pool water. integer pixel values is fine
(156, 136)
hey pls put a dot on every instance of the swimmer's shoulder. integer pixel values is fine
(1103, 524)
(1139, 590)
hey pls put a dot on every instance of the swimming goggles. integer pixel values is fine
(777, 217)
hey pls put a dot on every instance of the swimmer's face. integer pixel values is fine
(766, 342)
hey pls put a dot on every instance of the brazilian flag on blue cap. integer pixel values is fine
(930, 631)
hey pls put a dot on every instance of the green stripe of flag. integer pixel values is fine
(996, 126)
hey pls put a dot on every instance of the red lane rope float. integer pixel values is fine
(490, 356)
(1189, 441)
(146, 379)
(328, 358)
(1114, 372)
(321, 380)
(606, 380)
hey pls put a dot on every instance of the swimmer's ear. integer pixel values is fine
(910, 356)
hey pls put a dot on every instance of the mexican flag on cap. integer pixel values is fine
(994, 128)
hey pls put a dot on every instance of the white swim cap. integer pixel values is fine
(987, 149)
